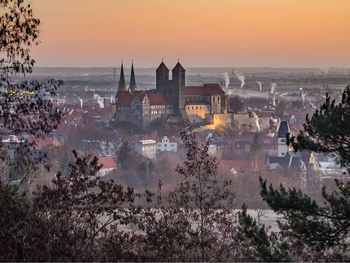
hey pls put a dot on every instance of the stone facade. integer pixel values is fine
(171, 97)
(141, 108)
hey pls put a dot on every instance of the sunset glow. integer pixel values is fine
(200, 32)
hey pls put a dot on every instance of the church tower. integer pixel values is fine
(178, 83)
(162, 78)
(178, 75)
(282, 147)
(121, 84)
(132, 84)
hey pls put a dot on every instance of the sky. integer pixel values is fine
(201, 33)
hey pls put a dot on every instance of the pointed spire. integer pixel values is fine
(132, 84)
(121, 84)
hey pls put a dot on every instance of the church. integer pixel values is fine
(202, 105)
(139, 107)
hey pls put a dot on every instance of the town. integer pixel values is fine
(134, 127)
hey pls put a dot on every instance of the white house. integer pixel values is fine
(166, 146)
(147, 148)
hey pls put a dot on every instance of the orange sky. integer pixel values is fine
(236, 33)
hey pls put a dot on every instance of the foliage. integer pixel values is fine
(235, 104)
(125, 156)
(197, 223)
(72, 219)
(26, 108)
(306, 225)
(328, 130)
(258, 245)
(256, 142)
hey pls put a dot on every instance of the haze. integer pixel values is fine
(240, 33)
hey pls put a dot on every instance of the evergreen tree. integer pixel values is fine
(125, 156)
(316, 231)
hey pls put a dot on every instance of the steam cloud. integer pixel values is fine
(273, 88)
(274, 100)
(81, 102)
(227, 80)
(260, 85)
(256, 118)
(241, 78)
(100, 101)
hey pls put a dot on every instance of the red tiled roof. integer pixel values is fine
(157, 99)
(125, 99)
(42, 143)
(206, 89)
(108, 162)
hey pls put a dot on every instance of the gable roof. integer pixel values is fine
(179, 67)
(205, 90)
(162, 66)
(157, 99)
(125, 99)
(283, 129)
(108, 162)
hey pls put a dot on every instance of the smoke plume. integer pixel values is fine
(273, 87)
(274, 100)
(227, 80)
(241, 78)
(260, 85)
(100, 101)
(256, 118)
(81, 102)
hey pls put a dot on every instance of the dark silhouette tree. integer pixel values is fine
(317, 231)
(196, 221)
(235, 104)
(26, 108)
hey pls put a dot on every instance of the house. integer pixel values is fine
(109, 164)
(147, 148)
(166, 145)
(237, 167)
(329, 167)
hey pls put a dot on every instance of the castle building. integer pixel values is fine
(139, 108)
(121, 83)
(170, 87)
(194, 103)
(199, 104)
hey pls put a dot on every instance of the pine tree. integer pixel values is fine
(314, 231)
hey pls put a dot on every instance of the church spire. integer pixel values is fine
(132, 84)
(121, 84)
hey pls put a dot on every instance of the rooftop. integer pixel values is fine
(206, 89)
